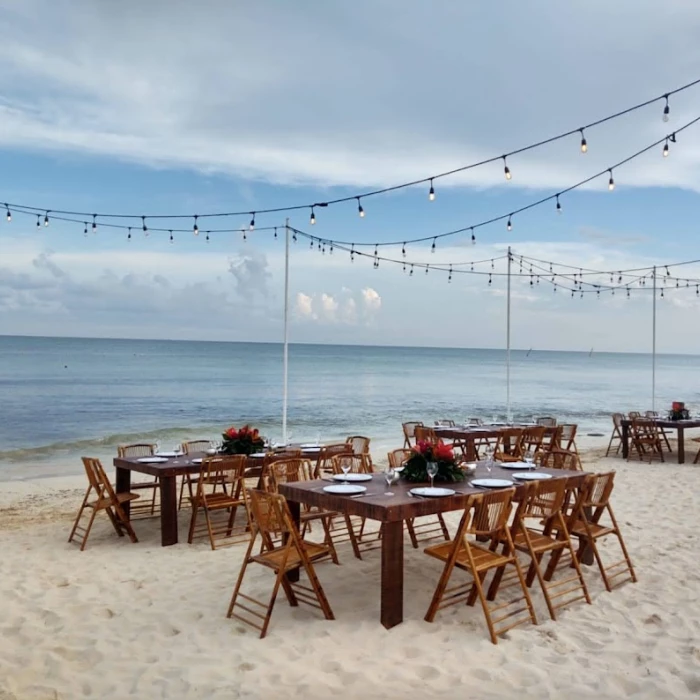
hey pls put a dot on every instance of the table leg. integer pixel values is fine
(168, 510)
(585, 552)
(681, 445)
(392, 574)
(295, 510)
(625, 441)
(123, 485)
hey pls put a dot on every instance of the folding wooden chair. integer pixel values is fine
(220, 492)
(360, 446)
(269, 518)
(616, 436)
(595, 499)
(409, 432)
(532, 439)
(191, 447)
(485, 516)
(654, 415)
(509, 445)
(559, 459)
(289, 470)
(425, 434)
(543, 503)
(645, 439)
(567, 437)
(143, 508)
(547, 421)
(475, 421)
(398, 458)
(326, 455)
(101, 496)
(445, 423)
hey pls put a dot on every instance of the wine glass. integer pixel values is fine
(529, 458)
(432, 469)
(156, 446)
(391, 476)
(489, 452)
(346, 465)
(318, 439)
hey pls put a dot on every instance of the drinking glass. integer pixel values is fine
(390, 475)
(529, 458)
(346, 465)
(157, 446)
(489, 452)
(432, 469)
(318, 439)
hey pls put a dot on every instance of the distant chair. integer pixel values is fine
(328, 452)
(645, 439)
(547, 421)
(360, 446)
(191, 446)
(634, 414)
(532, 439)
(409, 432)
(616, 436)
(424, 434)
(567, 437)
(398, 457)
(135, 450)
(509, 445)
(476, 421)
(559, 459)
(445, 423)
(654, 415)
(101, 496)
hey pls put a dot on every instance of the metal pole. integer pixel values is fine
(508, 417)
(286, 333)
(653, 348)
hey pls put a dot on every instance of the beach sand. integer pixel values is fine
(127, 620)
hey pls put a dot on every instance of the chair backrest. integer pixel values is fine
(568, 431)
(268, 515)
(651, 414)
(409, 429)
(597, 489)
(191, 446)
(141, 449)
(634, 414)
(423, 434)
(548, 421)
(476, 421)
(398, 457)
(287, 453)
(560, 459)
(511, 438)
(359, 444)
(356, 463)
(222, 469)
(445, 423)
(491, 512)
(543, 499)
(285, 471)
(533, 437)
(98, 479)
(617, 419)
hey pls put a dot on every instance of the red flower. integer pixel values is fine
(232, 432)
(256, 432)
(443, 452)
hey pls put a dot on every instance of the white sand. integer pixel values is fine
(122, 620)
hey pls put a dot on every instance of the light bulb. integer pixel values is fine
(584, 144)
(38, 222)
(667, 110)
(252, 221)
(195, 228)
(509, 225)
(9, 214)
(360, 210)
(94, 223)
(46, 219)
(312, 220)
(665, 151)
(431, 194)
(143, 220)
(611, 182)
(506, 169)
(558, 205)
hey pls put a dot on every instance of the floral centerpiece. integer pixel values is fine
(242, 441)
(424, 452)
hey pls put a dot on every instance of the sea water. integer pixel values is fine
(61, 398)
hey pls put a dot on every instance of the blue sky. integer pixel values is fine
(242, 108)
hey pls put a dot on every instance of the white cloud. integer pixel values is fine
(329, 306)
(304, 306)
(371, 299)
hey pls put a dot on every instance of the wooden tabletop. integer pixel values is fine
(376, 506)
(665, 422)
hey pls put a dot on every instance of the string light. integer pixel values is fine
(403, 250)
(665, 151)
(449, 277)
(432, 247)
(85, 230)
(431, 193)
(410, 274)
(667, 110)
(360, 210)
(143, 221)
(275, 231)
(611, 182)
(506, 169)
(128, 236)
(94, 223)
(584, 144)
(9, 214)
(251, 226)
(207, 239)
(195, 228)
(294, 237)
(38, 221)
(46, 219)
(172, 240)
(558, 205)
(352, 254)
(427, 267)
(473, 236)
(489, 279)
(312, 220)
(509, 225)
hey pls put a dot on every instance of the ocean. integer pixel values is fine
(66, 397)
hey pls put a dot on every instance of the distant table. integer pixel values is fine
(678, 425)
(469, 434)
(391, 511)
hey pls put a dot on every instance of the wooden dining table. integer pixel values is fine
(679, 426)
(391, 512)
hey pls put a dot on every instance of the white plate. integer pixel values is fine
(434, 491)
(310, 450)
(309, 445)
(352, 477)
(168, 454)
(344, 489)
(152, 460)
(259, 454)
(197, 460)
(531, 476)
(516, 465)
(492, 483)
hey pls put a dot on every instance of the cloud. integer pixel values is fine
(304, 306)
(614, 238)
(329, 306)
(371, 299)
(251, 273)
(100, 82)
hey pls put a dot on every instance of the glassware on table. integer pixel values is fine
(318, 438)
(156, 446)
(489, 452)
(391, 477)
(432, 469)
(529, 458)
(346, 465)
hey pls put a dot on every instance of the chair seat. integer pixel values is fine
(596, 530)
(216, 501)
(540, 542)
(318, 515)
(483, 558)
(273, 559)
(106, 502)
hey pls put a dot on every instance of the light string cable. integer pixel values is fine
(48, 212)
(608, 171)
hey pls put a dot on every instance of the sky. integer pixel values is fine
(192, 108)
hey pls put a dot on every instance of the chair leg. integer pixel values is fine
(351, 534)
(88, 528)
(82, 508)
(412, 532)
(328, 540)
(193, 520)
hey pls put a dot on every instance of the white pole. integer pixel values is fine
(653, 348)
(508, 417)
(286, 333)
